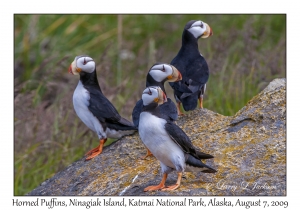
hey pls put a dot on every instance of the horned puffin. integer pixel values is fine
(167, 142)
(158, 74)
(192, 65)
(93, 108)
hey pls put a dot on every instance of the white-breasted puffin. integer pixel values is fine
(158, 74)
(167, 142)
(93, 108)
(192, 65)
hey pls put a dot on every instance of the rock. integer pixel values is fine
(249, 150)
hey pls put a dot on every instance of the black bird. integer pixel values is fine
(93, 108)
(192, 65)
(158, 74)
(167, 142)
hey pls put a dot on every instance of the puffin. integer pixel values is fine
(158, 74)
(192, 65)
(168, 142)
(93, 108)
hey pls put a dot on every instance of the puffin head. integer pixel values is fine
(164, 72)
(153, 94)
(82, 63)
(199, 29)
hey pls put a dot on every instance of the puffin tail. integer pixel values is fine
(198, 165)
(190, 103)
(127, 124)
(202, 155)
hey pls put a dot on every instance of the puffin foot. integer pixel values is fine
(178, 109)
(175, 186)
(96, 151)
(154, 187)
(170, 188)
(148, 154)
(157, 187)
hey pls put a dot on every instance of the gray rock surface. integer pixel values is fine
(249, 150)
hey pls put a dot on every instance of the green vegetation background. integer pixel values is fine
(245, 53)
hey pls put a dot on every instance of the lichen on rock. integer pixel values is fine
(249, 150)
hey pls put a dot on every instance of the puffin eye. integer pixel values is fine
(201, 25)
(163, 68)
(84, 61)
(150, 93)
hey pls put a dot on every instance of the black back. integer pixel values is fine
(101, 107)
(194, 71)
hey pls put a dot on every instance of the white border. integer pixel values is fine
(154, 6)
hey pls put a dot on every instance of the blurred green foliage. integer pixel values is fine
(245, 53)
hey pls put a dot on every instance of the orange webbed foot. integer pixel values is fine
(96, 151)
(154, 187)
(178, 109)
(180, 113)
(149, 153)
(93, 155)
(170, 188)
(201, 102)
(92, 151)
(175, 186)
(157, 187)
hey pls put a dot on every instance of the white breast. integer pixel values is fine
(81, 99)
(156, 139)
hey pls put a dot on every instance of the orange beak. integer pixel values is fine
(211, 32)
(208, 32)
(70, 69)
(179, 76)
(165, 97)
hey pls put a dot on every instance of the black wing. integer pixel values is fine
(197, 71)
(181, 87)
(103, 109)
(182, 140)
(168, 110)
(195, 74)
(136, 112)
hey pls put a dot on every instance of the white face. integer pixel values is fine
(153, 94)
(83, 63)
(198, 28)
(161, 72)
